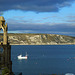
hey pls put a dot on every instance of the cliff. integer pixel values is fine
(39, 39)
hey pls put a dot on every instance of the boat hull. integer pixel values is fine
(20, 57)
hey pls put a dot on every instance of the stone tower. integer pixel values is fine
(4, 27)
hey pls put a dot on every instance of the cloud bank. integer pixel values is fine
(52, 28)
(34, 5)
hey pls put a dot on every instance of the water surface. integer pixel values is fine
(44, 59)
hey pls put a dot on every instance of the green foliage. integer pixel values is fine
(5, 71)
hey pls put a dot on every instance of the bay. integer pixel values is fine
(43, 59)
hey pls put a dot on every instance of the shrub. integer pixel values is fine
(5, 71)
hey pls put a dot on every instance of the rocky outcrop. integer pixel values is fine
(40, 39)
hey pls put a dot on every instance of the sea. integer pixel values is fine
(43, 59)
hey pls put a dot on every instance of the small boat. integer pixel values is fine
(22, 57)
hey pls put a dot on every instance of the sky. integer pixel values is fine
(39, 16)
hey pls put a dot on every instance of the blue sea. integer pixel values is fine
(43, 59)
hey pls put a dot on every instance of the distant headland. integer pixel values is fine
(39, 39)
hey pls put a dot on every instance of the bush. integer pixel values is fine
(5, 71)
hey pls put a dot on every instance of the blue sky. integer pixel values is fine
(39, 16)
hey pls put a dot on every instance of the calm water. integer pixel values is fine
(44, 60)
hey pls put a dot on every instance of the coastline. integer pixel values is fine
(46, 44)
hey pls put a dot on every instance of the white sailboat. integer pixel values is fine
(22, 57)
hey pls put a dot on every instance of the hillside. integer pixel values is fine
(39, 39)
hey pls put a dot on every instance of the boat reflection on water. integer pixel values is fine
(5, 59)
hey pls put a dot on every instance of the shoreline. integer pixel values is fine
(45, 44)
